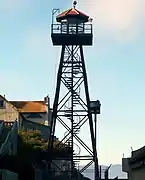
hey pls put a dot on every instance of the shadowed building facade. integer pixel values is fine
(134, 166)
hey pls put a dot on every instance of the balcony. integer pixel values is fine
(71, 34)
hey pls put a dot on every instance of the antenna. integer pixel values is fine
(74, 4)
(54, 11)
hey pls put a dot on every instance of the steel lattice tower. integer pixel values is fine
(72, 107)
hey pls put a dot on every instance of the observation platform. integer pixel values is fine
(72, 34)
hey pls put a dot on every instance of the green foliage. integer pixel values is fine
(32, 139)
(32, 147)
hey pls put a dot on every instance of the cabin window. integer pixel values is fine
(1, 104)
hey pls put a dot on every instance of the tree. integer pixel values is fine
(31, 145)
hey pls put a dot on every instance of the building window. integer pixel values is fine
(1, 104)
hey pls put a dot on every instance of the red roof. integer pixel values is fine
(71, 13)
(30, 106)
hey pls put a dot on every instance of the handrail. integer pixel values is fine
(1, 127)
(9, 123)
(71, 29)
(6, 146)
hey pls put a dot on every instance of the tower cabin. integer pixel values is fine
(72, 28)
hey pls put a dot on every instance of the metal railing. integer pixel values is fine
(9, 146)
(9, 123)
(1, 127)
(77, 29)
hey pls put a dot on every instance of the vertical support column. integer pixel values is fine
(55, 105)
(100, 172)
(90, 116)
(95, 119)
(72, 79)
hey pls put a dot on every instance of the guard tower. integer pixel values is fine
(72, 107)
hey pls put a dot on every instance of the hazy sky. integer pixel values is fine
(115, 64)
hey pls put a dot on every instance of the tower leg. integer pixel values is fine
(72, 108)
(55, 104)
(54, 113)
(93, 137)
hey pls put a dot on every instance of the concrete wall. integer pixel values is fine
(125, 165)
(8, 175)
(135, 172)
(8, 113)
(138, 174)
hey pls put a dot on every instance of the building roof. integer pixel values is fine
(137, 155)
(30, 106)
(72, 12)
(3, 97)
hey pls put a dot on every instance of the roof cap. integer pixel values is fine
(74, 4)
(72, 13)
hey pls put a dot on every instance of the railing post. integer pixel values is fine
(52, 28)
(91, 29)
(61, 28)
